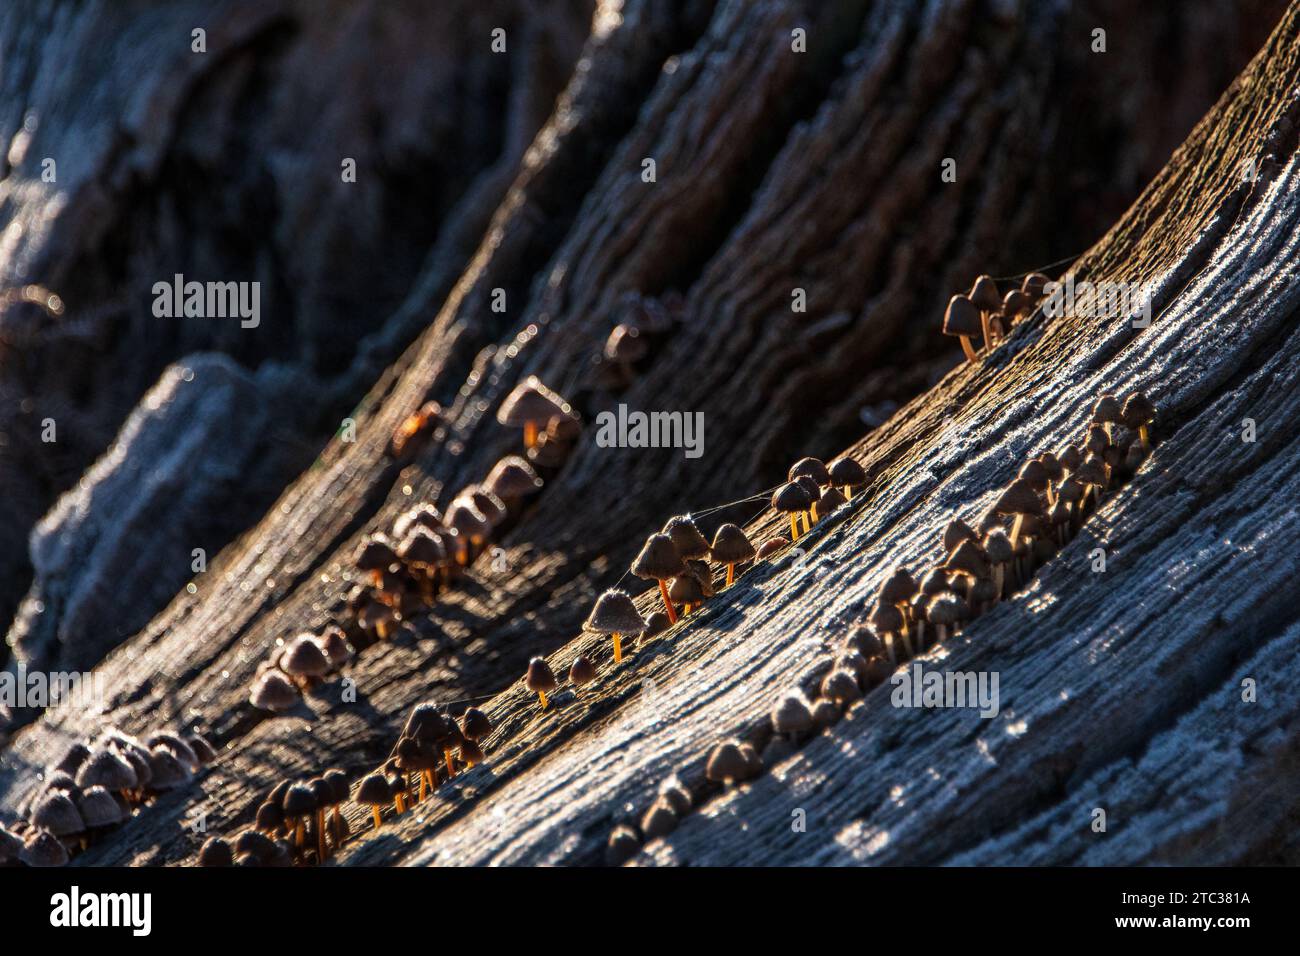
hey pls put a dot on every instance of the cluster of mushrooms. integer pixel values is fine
(96, 787)
(986, 313)
(296, 667)
(1044, 507)
(298, 823)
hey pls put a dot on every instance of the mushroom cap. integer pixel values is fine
(842, 687)
(703, 573)
(422, 546)
(622, 846)
(969, 558)
(1069, 457)
(935, 580)
(1108, 410)
(865, 640)
(176, 744)
(299, 800)
(1034, 284)
(659, 559)
(997, 545)
(1019, 498)
(813, 468)
(686, 537)
(531, 401)
(491, 505)
(475, 724)
(945, 608)
(1097, 441)
(42, 848)
(686, 589)
(59, 780)
(423, 515)
(847, 471)
(731, 545)
(771, 546)
(427, 723)
(656, 623)
(1092, 471)
(726, 763)
(257, 845)
(614, 613)
(338, 781)
(216, 852)
(984, 294)
(56, 812)
(374, 553)
(810, 487)
(660, 820)
(108, 769)
(1034, 472)
(471, 752)
(10, 845)
(539, 678)
(1017, 303)
(74, 758)
(335, 647)
(852, 660)
(677, 795)
(792, 713)
(547, 453)
(374, 790)
(1138, 410)
(168, 772)
(303, 657)
(1051, 465)
(962, 317)
(886, 619)
(1071, 489)
(467, 519)
(512, 477)
(581, 671)
(983, 591)
(625, 344)
(324, 792)
(270, 816)
(957, 532)
(98, 808)
(825, 713)
(790, 498)
(830, 500)
(374, 614)
(898, 587)
(563, 429)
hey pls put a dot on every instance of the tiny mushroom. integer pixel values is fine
(727, 763)
(1107, 413)
(42, 848)
(845, 473)
(375, 793)
(581, 671)
(686, 590)
(791, 500)
(540, 679)
(511, 479)
(1139, 414)
(984, 296)
(660, 561)
(622, 846)
(375, 554)
(731, 547)
(615, 615)
(304, 660)
(686, 537)
(963, 320)
(216, 852)
(792, 715)
(530, 406)
(273, 691)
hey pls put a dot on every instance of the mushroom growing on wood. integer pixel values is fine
(727, 764)
(216, 852)
(299, 805)
(968, 558)
(1139, 414)
(984, 296)
(1034, 285)
(375, 793)
(622, 846)
(42, 848)
(792, 715)
(471, 526)
(511, 479)
(414, 429)
(686, 590)
(615, 615)
(791, 500)
(945, 610)
(540, 679)
(304, 660)
(963, 320)
(377, 618)
(660, 561)
(660, 820)
(686, 537)
(842, 687)
(1019, 499)
(375, 554)
(530, 406)
(957, 532)
(888, 620)
(1107, 413)
(1000, 552)
(771, 547)
(423, 553)
(845, 473)
(731, 547)
(813, 468)
(581, 671)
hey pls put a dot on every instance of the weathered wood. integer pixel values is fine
(556, 783)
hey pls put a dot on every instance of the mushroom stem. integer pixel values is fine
(984, 327)
(320, 836)
(618, 647)
(848, 492)
(1144, 438)
(794, 527)
(541, 695)
(299, 832)
(378, 820)
(999, 572)
(530, 434)
(968, 348)
(1015, 530)
(668, 605)
(731, 574)
(812, 512)
(451, 767)
(382, 629)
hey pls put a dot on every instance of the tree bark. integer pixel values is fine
(778, 173)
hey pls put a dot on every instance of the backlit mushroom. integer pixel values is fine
(377, 619)
(216, 852)
(304, 660)
(968, 558)
(336, 648)
(423, 552)
(338, 782)
(581, 671)
(842, 687)
(660, 561)
(845, 473)
(813, 468)
(615, 615)
(944, 611)
(957, 532)
(299, 805)
(622, 846)
(1000, 552)
(887, 621)
(56, 812)
(771, 547)
(540, 679)
(1019, 499)
(1139, 414)
(374, 555)
(829, 502)
(792, 715)
(731, 546)
(1107, 413)
(727, 764)
(686, 537)
(660, 820)
(791, 500)
(374, 792)
(686, 590)
(42, 848)
(512, 479)
(530, 406)
(1034, 285)
(963, 320)
(98, 809)
(984, 296)
(470, 525)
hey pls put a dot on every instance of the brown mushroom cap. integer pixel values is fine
(997, 545)
(1017, 304)
(1051, 465)
(42, 848)
(74, 758)
(969, 558)
(270, 816)
(962, 317)
(898, 587)
(813, 468)
(790, 498)
(531, 401)
(216, 852)
(614, 613)
(1092, 471)
(336, 648)
(847, 471)
(792, 714)
(622, 846)
(466, 519)
(726, 763)
(731, 545)
(581, 671)
(686, 537)
(686, 589)
(945, 608)
(660, 820)
(490, 505)
(422, 547)
(935, 581)
(1069, 457)
(1035, 473)
(830, 500)
(659, 559)
(984, 294)
(842, 687)
(957, 532)
(539, 678)
(865, 640)
(703, 573)
(1034, 284)
(809, 487)
(374, 553)
(886, 619)
(1138, 411)
(1108, 411)
(303, 657)
(656, 623)
(56, 812)
(475, 724)
(374, 791)
(299, 800)
(625, 344)
(1019, 498)
(108, 769)
(167, 771)
(375, 614)
(271, 691)
(770, 547)
(512, 477)
(98, 808)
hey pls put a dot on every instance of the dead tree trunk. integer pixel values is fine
(777, 173)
